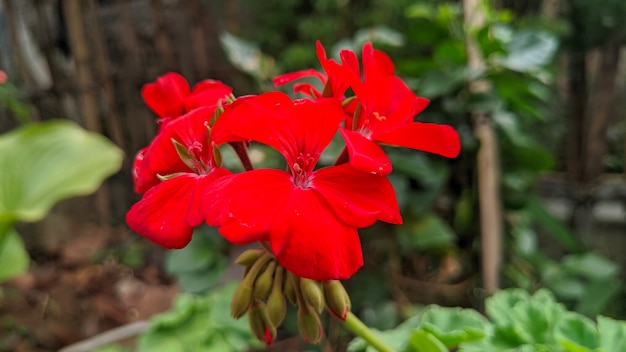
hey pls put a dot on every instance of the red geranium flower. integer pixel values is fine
(171, 208)
(170, 96)
(334, 76)
(387, 108)
(308, 216)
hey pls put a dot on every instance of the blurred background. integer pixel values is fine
(537, 198)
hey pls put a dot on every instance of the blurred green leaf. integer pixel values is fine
(453, 326)
(423, 341)
(591, 266)
(612, 334)
(46, 162)
(577, 333)
(427, 233)
(396, 338)
(199, 324)
(464, 216)
(554, 227)
(597, 295)
(530, 50)
(378, 35)
(247, 57)
(14, 259)
(199, 265)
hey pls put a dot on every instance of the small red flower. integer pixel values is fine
(387, 108)
(334, 76)
(170, 96)
(171, 208)
(309, 216)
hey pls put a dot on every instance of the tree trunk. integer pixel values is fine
(602, 104)
(80, 52)
(162, 38)
(487, 162)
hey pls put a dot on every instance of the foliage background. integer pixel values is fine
(556, 72)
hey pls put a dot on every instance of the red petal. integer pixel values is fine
(302, 126)
(336, 73)
(244, 205)
(429, 137)
(357, 198)
(161, 215)
(376, 64)
(143, 177)
(206, 93)
(292, 76)
(366, 155)
(165, 96)
(204, 185)
(309, 241)
(307, 89)
(191, 131)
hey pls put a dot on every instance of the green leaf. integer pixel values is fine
(597, 295)
(553, 226)
(612, 334)
(530, 50)
(423, 341)
(426, 233)
(499, 305)
(199, 324)
(379, 35)
(577, 333)
(396, 338)
(14, 259)
(453, 326)
(247, 57)
(591, 266)
(46, 162)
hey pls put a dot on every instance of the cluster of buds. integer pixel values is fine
(262, 294)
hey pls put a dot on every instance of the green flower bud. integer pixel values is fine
(263, 283)
(249, 257)
(260, 323)
(276, 305)
(288, 288)
(312, 294)
(241, 300)
(337, 299)
(309, 324)
(243, 294)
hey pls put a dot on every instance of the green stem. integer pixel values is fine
(358, 328)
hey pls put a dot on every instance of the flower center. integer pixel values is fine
(301, 169)
(370, 122)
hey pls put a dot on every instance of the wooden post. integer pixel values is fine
(18, 51)
(84, 77)
(112, 121)
(162, 38)
(487, 161)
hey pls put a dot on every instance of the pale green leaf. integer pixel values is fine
(14, 259)
(423, 341)
(453, 326)
(46, 162)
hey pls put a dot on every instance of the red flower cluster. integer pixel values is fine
(309, 215)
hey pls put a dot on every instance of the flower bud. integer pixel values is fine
(217, 155)
(312, 294)
(249, 257)
(241, 300)
(288, 288)
(276, 305)
(260, 323)
(337, 299)
(309, 324)
(263, 283)
(243, 294)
